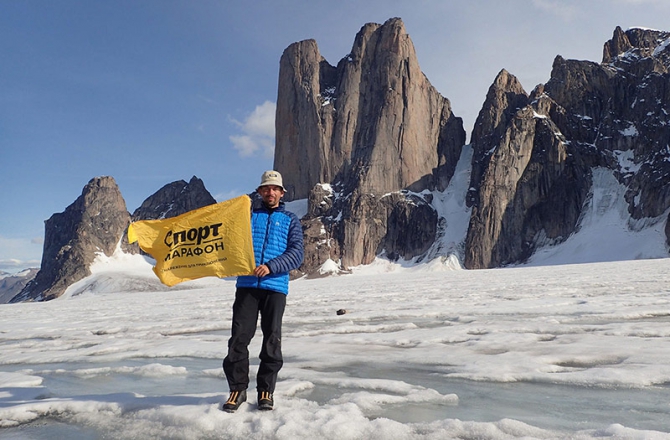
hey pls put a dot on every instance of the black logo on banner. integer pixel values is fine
(194, 241)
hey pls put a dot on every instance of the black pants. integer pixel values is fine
(248, 303)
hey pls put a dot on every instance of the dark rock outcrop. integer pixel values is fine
(371, 126)
(401, 224)
(505, 97)
(526, 183)
(174, 199)
(94, 223)
(532, 162)
(616, 114)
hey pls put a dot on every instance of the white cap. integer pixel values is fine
(271, 178)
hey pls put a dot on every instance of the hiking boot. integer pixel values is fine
(236, 399)
(265, 401)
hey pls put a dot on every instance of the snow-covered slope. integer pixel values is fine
(606, 231)
(571, 351)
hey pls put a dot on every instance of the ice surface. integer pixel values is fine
(430, 351)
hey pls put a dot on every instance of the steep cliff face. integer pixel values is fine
(525, 183)
(618, 113)
(94, 223)
(618, 116)
(304, 120)
(376, 107)
(532, 163)
(370, 126)
(402, 124)
(531, 188)
(505, 97)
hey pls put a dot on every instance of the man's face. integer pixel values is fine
(271, 195)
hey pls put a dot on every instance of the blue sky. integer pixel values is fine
(154, 91)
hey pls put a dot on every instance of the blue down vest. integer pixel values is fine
(277, 238)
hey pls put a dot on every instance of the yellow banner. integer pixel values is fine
(214, 240)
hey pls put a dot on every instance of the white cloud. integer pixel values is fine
(259, 132)
(13, 265)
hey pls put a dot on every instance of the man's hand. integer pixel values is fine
(261, 271)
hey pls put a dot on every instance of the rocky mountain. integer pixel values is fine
(11, 285)
(364, 141)
(377, 152)
(94, 223)
(525, 179)
(174, 199)
(534, 155)
(367, 127)
(97, 222)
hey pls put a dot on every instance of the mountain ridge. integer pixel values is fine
(533, 153)
(382, 163)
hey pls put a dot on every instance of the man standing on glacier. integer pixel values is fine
(278, 249)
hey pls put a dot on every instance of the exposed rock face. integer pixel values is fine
(527, 184)
(533, 157)
(505, 97)
(93, 223)
(411, 225)
(401, 224)
(370, 126)
(317, 229)
(617, 113)
(304, 120)
(174, 199)
(376, 107)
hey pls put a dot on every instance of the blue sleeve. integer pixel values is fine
(293, 255)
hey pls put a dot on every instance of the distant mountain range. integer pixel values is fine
(381, 160)
(12, 284)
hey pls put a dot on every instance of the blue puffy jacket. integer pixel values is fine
(277, 238)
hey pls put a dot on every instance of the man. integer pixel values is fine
(278, 249)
